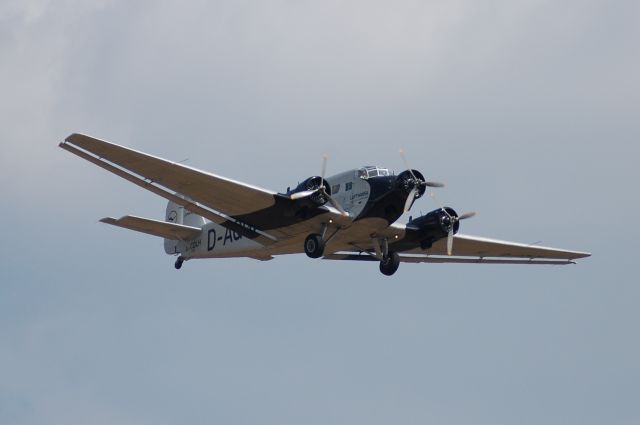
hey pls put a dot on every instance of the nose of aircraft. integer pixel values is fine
(412, 183)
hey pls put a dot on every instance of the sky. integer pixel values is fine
(528, 110)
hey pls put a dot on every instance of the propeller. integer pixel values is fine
(302, 194)
(322, 189)
(418, 183)
(410, 199)
(452, 224)
(467, 215)
(428, 184)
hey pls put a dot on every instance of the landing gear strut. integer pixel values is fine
(390, 263)
(314, 245)
(179, 262)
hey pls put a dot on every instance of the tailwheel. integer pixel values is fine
(179, 262)
(314, 245)
(390, 263)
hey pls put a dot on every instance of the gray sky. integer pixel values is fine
(528, 110)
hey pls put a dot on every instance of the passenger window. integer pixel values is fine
(347, 186)
(335, 189)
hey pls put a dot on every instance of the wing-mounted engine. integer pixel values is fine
(438, 224)
(315, 191)
(435, 225)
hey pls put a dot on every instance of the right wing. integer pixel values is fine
(471, 249)
(474, 246)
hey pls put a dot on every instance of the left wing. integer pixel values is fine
(473, 249)
(219, 193)
(254, 212)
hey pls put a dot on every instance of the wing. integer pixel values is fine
(254, 212)
(216, 192)
(474, 246)
(473, 249)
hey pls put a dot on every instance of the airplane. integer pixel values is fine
(349, 216)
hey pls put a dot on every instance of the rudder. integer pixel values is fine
(177, 214)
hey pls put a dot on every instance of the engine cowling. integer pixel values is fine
(435, 225)
(409, 179)
(313, 183)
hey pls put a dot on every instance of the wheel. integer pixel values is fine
(389, 264)
(314, 245)
(178, 263)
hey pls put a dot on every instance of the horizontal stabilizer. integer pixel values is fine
(154, 227)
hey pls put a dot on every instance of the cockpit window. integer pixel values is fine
(368, 172)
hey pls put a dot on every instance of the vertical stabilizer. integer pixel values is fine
(174, 213)
(177, 214)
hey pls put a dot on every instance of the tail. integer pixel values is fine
(177, 214)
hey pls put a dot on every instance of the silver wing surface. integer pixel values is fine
(258, 213)
(220, 193)
(473, 249)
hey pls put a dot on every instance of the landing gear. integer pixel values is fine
(390, 263)
(179, 262)
(314, 245)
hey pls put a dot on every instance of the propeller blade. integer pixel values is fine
(302, 194)
(450, 242)
(467, 215)
(410, 199)
(324, 165)
(435, 198)
(406, 164)
(322, 189)
(336, 205)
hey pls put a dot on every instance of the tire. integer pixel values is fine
(389, 265)
(178, 264)
(314, 246)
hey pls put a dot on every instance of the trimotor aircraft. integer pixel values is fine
(348, 216)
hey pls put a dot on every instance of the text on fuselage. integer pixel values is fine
(229, 237)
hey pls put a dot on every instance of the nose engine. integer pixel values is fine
(412, 183)
(411, 179)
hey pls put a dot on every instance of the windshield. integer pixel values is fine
(370, 171)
